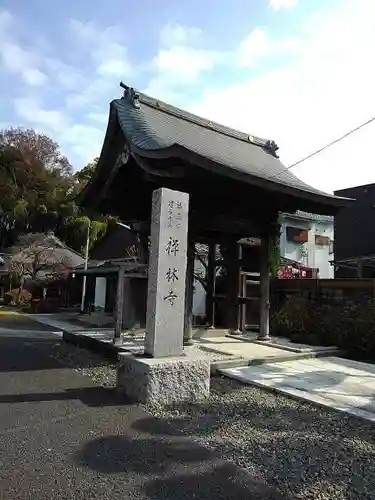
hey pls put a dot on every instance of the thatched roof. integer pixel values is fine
(41, 255)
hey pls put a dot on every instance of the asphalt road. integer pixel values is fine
(62, 437)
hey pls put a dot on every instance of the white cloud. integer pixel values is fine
(325, 90)
(259, 45)
(180, 61)
(174, 34)
(253, 47)
(283, 4)
(92, 85)
(106, 47)
(98, 117)
(6, 20)
(110, 62)
(31, 110)
(16, 59)
(34, 77)
(83, 141)
(185, 64)
(64, 75)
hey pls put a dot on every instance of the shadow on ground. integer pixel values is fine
(298, 447)
(27, 345)
(14, 321)
(90, 396)
(178, 469)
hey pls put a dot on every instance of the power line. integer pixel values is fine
(330, 144)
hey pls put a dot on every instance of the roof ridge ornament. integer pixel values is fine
(131, 94)
(272, 147)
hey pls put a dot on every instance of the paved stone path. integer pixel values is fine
(338, 383)
(63, 437)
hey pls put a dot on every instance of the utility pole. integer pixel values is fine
(86, 264)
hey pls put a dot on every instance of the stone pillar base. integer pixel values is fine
(163, 380)
(264, 338)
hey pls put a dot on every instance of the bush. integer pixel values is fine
(296, 319)
(24, 298)
(17, 296)
(348, 325)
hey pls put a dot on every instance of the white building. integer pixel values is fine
(305, 238)
(308, 239)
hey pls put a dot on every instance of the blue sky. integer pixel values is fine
(296, 71)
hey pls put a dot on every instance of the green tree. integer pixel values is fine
(38, 190)
(35, 179)
(38, 147)
(84, 175)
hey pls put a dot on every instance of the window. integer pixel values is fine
(321, 240)
(296, 234)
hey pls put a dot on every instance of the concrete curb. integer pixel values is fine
(321, 349)
(241, 362)
(106, 349)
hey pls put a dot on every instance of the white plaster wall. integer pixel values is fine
(322, 255)
(309, 254)
(100, 292)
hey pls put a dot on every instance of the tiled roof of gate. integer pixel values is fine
(152, 126)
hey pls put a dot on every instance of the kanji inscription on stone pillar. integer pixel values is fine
(167, 273)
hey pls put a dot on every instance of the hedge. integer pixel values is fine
(347, 325)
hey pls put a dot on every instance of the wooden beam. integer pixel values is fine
(188, 320)
(202, 223)
(265, 288)
(122, 159)
(231, 256)
(211, 275)
(119, 303)
(143, 249)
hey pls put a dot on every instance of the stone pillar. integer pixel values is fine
(167, 274)
(119, 302)
(264, 288)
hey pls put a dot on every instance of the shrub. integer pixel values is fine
(296, 319)
(24, 298)
(348, 325)
(359, 336)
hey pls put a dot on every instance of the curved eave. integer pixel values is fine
(325, 202)
(177, 151)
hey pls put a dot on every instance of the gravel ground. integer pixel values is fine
(305, 451)
(101, 371)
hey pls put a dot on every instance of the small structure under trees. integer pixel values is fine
(37, 260)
